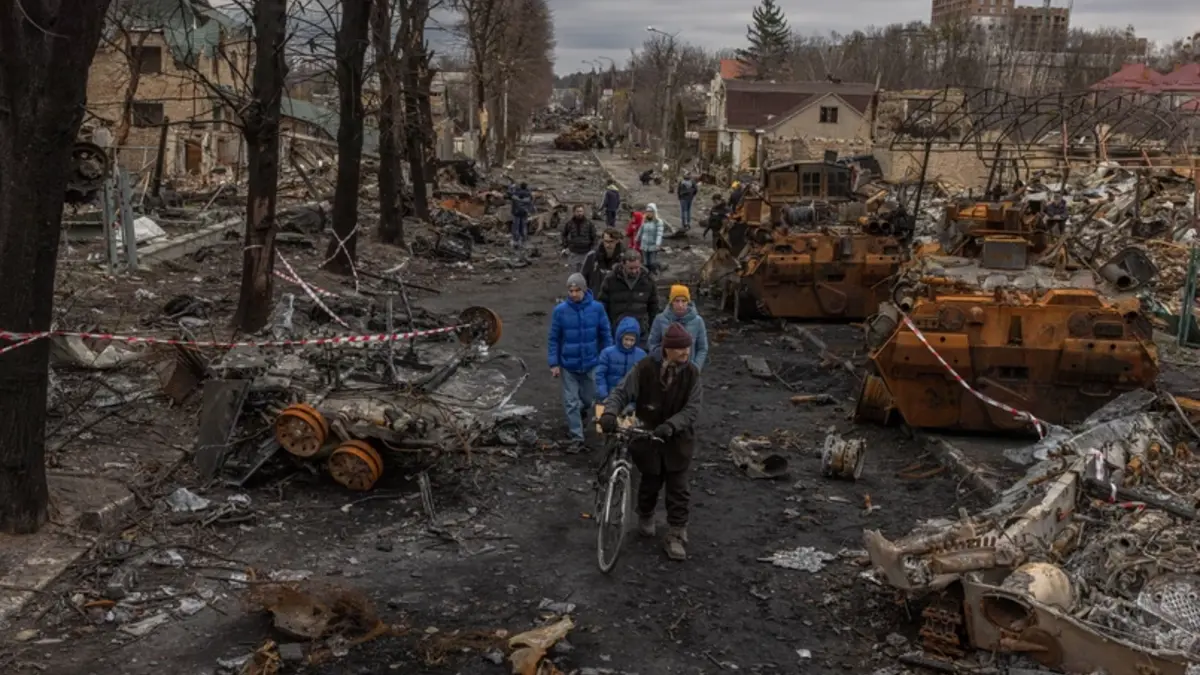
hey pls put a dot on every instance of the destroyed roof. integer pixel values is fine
(327, 120)
(751, 105)
(1131, 76)
(1184, 78)
(190, 27)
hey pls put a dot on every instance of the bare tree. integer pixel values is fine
(417, 78)
(260, 128)
(52, 41)
(350, 52)
(387, 65)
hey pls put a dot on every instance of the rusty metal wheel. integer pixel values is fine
(301, 430)
(481, 324)
(355, 465)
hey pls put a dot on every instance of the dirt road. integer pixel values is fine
(513, 532)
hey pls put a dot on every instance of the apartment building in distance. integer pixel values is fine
(1041, 28)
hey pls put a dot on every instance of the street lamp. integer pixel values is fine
(662, 147)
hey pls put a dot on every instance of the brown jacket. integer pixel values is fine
(677, 405)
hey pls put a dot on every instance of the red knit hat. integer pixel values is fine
(676, 337)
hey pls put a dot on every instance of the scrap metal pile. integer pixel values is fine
(1088, 564)
(352, 412)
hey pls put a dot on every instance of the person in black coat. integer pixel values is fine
(611, 204)
(630, 291)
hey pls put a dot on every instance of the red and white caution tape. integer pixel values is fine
(308, 290)
(296, 280)
(1039, 425)
(23, 339)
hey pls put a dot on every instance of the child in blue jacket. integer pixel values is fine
(617, 360)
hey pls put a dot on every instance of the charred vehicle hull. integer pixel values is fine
(786, 253)
(826, 275)
(1059, 357)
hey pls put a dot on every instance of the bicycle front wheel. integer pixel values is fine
(614, 519)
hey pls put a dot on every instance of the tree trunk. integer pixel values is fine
(412, 31)
(481, 104)
(391, 224)
(425, 106)
(261, 131)
(350, 50)
(52, 41)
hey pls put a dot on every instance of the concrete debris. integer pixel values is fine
(751, 455)
(184, 500)
(803, 558)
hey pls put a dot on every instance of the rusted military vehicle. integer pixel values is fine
(800, 248)
(1011, 316)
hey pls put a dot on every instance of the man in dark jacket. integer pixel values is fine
(666, 394)
(610, 205)
(717, 214)
(630, 291)
(578, 238)
(522, 207)
(579, 331)
(603, 259)
(687, 194)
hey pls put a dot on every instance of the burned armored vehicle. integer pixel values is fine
(800, 248)
(993, 324)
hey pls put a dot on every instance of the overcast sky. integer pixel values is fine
(591, 29)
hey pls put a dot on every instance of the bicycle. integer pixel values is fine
(615, 516)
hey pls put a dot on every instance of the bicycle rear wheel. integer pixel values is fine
(614, 518)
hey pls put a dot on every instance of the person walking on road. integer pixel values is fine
(616, 361)
(665, 390)
(715, 222)
(603, 259)
(611, 204)
(683, 313)
(522, 207)
(579, 331)
(578, 238)
(686, 192)
(632, 230)
(650, 237)
(629, 292)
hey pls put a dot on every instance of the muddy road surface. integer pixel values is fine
(513, 539)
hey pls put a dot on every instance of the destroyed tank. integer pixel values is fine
(1039, 339)
(789, 253)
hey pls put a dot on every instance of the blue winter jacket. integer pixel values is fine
(616, 361)
(522, 202)
(691, 321)
(579, 331)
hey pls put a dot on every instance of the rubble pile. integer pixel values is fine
(1090, 557)
(582, 135)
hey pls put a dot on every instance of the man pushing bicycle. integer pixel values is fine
(665, 389)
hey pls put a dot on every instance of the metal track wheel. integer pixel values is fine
(301, 430)
(355, 465)
(480, 323)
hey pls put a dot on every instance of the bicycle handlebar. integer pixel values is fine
(635, 432)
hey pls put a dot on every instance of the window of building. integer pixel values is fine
(147, 114)
(829, 114)
(810, 184)
(148, 59)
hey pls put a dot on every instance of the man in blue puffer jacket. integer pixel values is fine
(579, 331)
(620, 358)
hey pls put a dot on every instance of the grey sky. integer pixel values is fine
(610, 28)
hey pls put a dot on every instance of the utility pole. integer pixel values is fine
(666, 112)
